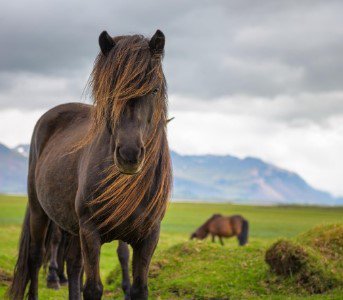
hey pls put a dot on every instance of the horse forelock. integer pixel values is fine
(129, 71)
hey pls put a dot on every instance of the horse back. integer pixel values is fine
(72, 116)
(221, 226)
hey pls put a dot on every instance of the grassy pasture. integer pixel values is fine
(216, 273)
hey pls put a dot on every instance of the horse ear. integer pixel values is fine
(171, 119)
(157, 42)
(106, 42)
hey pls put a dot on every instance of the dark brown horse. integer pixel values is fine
(223, 226)
(102, 172)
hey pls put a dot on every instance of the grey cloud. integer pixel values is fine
(213, 48)
(299, 110)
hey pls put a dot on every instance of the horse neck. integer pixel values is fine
(204, 227)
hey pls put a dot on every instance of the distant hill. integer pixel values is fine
(210, 178)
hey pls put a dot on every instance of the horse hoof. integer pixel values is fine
(63, 280)
(55, 285)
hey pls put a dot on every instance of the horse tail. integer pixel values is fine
(243, 236)
(21, 275)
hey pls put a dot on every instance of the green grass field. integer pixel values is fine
(193, 270)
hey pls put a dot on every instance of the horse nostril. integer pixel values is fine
(141, 153)
(129, 155)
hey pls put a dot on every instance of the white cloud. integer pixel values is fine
(16, 126)
(287, 108)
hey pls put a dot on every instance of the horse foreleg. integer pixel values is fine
(213, 238)
(124, 256)
(52, 279)
(74, 268)
(90, 245)
(38, 228)
(221, 241)
(142, 254)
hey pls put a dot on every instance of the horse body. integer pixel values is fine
(224, 226)
(53, 164)
(101, 172)
(221, 227)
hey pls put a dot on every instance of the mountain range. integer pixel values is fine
(209, 178)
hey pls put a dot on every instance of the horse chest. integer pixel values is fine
(124, 231)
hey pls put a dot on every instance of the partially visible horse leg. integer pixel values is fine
(213, 238)
(52, 278)
(61, 257)
(142, 254)
(38, 228)
(221, 240)
(74, 268)
(90, 244)
(124, 256)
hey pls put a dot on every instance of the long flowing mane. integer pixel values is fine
(128, 72)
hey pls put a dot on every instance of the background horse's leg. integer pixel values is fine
(124, 256)
(90, 244)
(213, 238)
(61, 255)
(74, 268)
(52, 279)
(221, 240)
(142, 253)
(38, 228)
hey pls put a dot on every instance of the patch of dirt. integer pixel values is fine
(5, 277)
(156, 267)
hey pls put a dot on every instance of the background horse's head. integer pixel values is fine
(129, 91)
(201, 233)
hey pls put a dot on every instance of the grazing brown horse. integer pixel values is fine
(223, 226)
(102, 172)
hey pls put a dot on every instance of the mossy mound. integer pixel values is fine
(286, 258)
(313, 261)
(327, 239)
(202, 270)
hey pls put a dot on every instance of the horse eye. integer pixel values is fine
(154, 92)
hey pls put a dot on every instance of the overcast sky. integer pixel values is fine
(244, 79)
